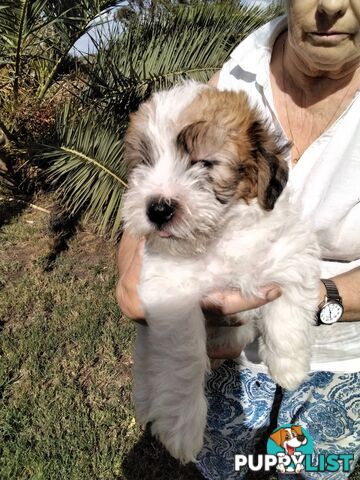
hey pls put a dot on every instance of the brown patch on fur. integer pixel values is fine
(273, 170)
(201, 139)
(222, 129)
(137, 145)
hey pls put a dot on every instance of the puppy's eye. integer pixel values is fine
(241, 170)
(203, 163)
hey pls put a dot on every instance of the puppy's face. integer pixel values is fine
(192, 153)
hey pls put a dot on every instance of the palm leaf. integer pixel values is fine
(157, 52)
(27, 25)
(86, 166)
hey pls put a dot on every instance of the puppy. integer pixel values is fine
(206, 183)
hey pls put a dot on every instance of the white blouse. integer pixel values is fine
(326, 180)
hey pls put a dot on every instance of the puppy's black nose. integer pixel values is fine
(161, 212)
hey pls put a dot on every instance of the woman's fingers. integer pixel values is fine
(231, 301)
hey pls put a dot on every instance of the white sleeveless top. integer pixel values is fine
(326, 180)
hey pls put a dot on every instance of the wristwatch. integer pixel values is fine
(331, 309)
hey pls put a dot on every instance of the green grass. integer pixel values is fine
(65, 381)
(64, 375)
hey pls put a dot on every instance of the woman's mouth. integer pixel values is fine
(328, 37)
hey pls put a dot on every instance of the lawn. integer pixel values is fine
(65, 370)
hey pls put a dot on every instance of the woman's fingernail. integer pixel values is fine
(273, 294)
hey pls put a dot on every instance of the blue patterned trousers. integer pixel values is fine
(241, 410)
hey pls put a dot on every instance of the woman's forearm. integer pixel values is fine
(127, 248)
(129, 262)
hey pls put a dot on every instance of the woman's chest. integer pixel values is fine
(304, 118)
(326, 181)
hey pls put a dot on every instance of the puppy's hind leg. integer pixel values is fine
(178, 366)
(285, 346)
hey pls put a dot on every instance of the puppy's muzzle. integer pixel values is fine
(160, 212)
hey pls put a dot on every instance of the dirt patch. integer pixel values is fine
(27, 241)
(97, 374)
(90, 253)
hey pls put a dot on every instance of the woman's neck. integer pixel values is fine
(303, 79)
(307, 104)
(309, 76)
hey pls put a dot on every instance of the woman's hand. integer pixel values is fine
(218, 304)
(130, 259)
(229, 302)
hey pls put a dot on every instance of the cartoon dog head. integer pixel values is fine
(289, 438)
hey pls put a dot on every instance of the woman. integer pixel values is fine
(303, 72)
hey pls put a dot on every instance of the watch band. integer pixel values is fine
(332, 292)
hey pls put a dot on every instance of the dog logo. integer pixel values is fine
(290, 443)
(290, 449)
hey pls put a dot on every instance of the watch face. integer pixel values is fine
(331, 312)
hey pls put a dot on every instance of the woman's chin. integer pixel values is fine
(331, 58)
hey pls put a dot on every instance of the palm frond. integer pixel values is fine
(86, 166)
(32, 28)
(157, 52)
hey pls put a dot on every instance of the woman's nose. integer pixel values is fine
(333, 7)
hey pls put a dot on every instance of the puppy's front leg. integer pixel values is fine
(177, 366)
(142, 385)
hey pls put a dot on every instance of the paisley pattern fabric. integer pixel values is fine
(245, 406)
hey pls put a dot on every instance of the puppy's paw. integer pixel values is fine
(281, 468)
(182, 435)
(289, 373)
(288, 379)
(183, 448)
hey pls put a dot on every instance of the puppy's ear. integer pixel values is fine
(272, 168)
(138, 148)
(200, 138)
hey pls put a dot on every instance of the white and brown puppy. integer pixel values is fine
(206, 184)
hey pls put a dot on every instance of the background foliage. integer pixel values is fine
(36, 74)
(65, 116)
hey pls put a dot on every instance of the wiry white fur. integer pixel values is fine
(213, 246)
